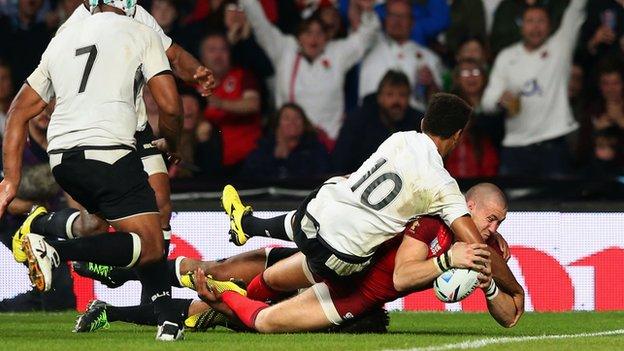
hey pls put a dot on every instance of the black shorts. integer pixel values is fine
(109, 182)
(144, 140)
(324, 261)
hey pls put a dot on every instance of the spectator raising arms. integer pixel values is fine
(381, 114)
(310, 70)
(235, 104)
(291, 150)
(395, 50)
(475, 155)
(530, 80)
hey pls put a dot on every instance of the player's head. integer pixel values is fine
(445, 119)
(127, 6)
(488, 207)
(535, 26)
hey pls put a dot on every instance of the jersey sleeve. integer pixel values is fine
(424, 228)
(40, 79)
(142, 16)
(449, 203)
(154, 58)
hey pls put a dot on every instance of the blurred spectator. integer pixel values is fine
(166, 15)
(330, 15)
(23, 39)
(508, 18)
(394, 50)
(430, 18)
(606, 111)
(188, 140)
(64, 9)
(530, 80)
(476, 154)
(468, 19)
(235, 104)
(291, 150)
(380, 116)
(603, 32)
(470, 48)
(6, 94)
(606, 158)
(310, 70)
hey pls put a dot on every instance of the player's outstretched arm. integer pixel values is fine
(163, 89)
(189, 69)
(26, 105)
(503, 309)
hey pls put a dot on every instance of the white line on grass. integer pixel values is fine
(475, 344)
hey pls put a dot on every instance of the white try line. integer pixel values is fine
(475, 344)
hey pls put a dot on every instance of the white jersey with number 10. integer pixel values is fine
(405, 178)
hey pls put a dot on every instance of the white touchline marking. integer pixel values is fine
(475, 344)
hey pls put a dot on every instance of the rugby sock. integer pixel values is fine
(55, 224)
(144, 314)
(145, 294)
(271, 227)
(259, 290)
(119, 249)
(158, 289)
(245, 309)
(123, 275)
(277, 254)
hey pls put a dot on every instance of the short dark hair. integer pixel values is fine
(536, 7)
(445, 115)
(394, 78)
(306, 23)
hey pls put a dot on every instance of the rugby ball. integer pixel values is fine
(455, 284)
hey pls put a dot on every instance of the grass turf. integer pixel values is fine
(51, 331)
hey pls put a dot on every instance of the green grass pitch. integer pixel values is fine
(51, 331)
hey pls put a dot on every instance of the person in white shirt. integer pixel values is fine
(340, 226)
(310, 70)
(394, 50)
(92, 75)
(530, 81)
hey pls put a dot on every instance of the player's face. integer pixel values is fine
(191, 112)
(393, 101)
(6, 86)
(313, 40)
(290, 124)
(535, 28)
(215, 54)
(611, 86)
(399, 21)
(487, 216)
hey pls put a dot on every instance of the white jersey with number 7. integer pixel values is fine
(94, 68)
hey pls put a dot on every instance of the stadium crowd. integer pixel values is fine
(312, 87)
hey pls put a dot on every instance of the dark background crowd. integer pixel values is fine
(308, 88)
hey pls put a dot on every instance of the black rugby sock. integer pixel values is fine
(154, 280)
(113, 249)
(270, 227)
(55, 224)
(144, 314)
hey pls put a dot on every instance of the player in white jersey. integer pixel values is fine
(81, 224)
(339, 226)
(92, 151)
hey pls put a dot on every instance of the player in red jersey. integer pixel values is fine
(402, 266)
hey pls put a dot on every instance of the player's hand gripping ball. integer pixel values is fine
(455, 284)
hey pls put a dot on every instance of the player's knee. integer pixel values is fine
(275, 281)
(152, 251)
(266, 322)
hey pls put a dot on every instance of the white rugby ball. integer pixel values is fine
(455, 284)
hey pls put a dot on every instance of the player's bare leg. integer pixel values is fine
(300, 313)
